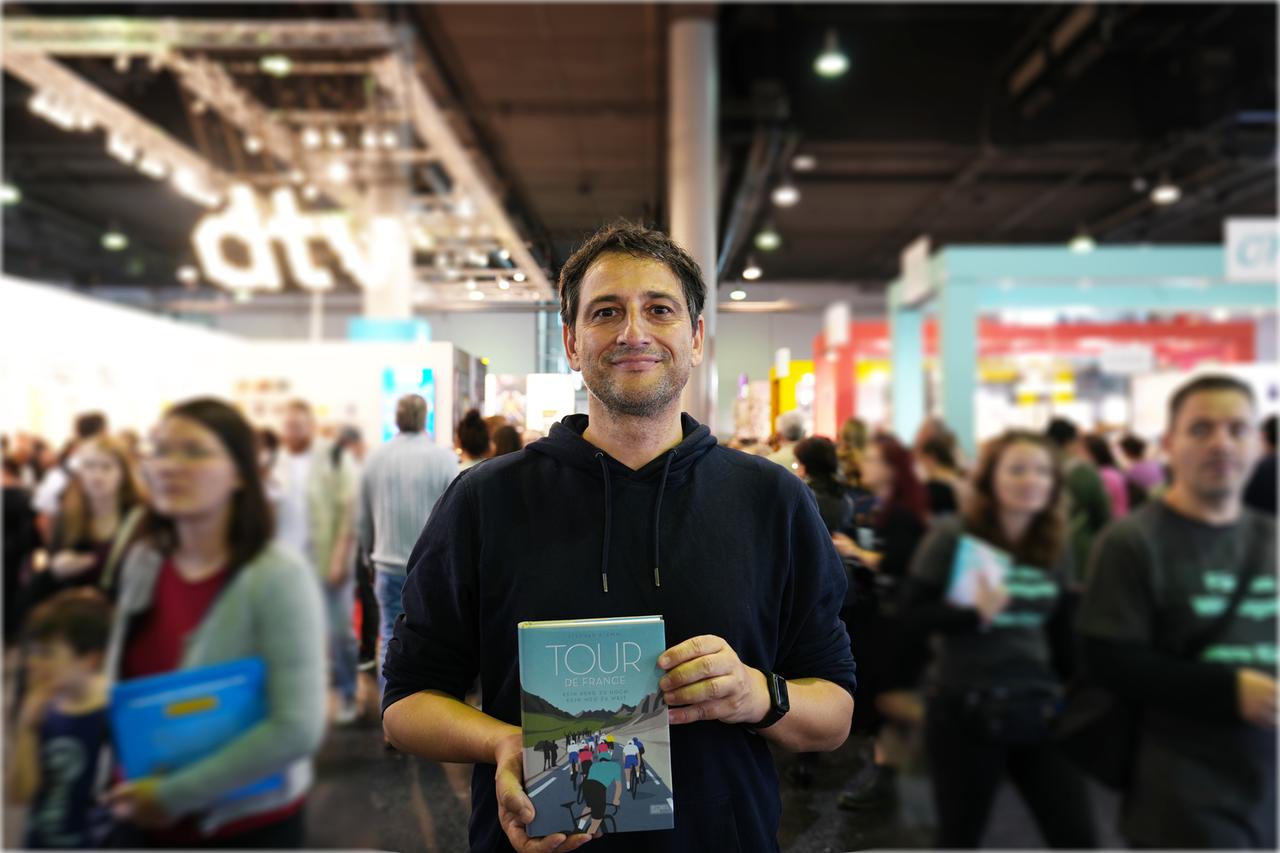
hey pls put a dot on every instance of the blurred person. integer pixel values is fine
(23, 450)
(268, 443)
(204, 584)
(132, 443)
(888, 662)
(400, 484)
(1145, 477)
(790, 431)
(934, 429)
(493, 423)
(1203, 772)
(853, 443)
(348, 442)
(993, 687)
(506, 439)
(473, 439)
(20, 542)
(54, 480)
(62, 727)
(630, 508)
(1112, 478)
(315, 516)
(1088, 506)
(529, 436)
(943, 481)
(99, 509)
(1260, 493)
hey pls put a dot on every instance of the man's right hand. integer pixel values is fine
(515, 809)
(1256, 692)
(990, 599)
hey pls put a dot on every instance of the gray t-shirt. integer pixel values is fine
(1158, 578)
(1015, 649)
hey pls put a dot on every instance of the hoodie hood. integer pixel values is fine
(566, 445)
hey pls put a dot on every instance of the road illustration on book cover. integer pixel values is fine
(596, 740)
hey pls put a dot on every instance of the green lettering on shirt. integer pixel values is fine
(1263, 584)
(1229, 654)
(1264, 608)
(1208, 605)
(1223, 582)
(1038, 589)
(1265, 653)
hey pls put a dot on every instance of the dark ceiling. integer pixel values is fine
(927, 133)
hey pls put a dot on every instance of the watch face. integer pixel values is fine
(783, 703)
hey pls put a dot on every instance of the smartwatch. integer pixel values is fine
(779, 702)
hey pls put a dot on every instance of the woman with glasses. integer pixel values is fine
(202, 585)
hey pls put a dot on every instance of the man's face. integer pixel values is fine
(1212, 444)
(633, 338)
(297, 429)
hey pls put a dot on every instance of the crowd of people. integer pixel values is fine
(973, 602)
(209, 541)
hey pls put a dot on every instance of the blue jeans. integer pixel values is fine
(389, 589)
(343, 649)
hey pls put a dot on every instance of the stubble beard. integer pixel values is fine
(636, 404)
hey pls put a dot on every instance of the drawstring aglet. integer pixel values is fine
(604, 581)
(657, 578)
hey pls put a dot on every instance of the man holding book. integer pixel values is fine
(636, 506)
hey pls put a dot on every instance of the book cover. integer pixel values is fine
(975, 558)
(597, 746)
(162, 723)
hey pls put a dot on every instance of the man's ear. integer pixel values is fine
(570, 346)
(699, 336)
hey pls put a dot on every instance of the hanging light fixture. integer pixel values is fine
(737, 295)
(9, 194)
(768, 239)
(114, 240)
(752, 271)
(832, 62)
(1082, 243)
(1166, 192)
(786, 194)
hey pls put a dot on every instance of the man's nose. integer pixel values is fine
(634, 331)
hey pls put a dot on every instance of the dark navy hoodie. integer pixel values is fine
(714, 540)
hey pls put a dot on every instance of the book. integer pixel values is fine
(595, 726)
(165, 722)
(975, 558)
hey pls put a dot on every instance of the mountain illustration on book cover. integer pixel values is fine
(597, 746)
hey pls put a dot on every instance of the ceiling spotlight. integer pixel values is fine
(252, 144)
(337, 139)
(804, 162)
(471, 284)
(503, 284)
(276, 64)
(338, 172)
(296, 176)
(504, 254)
(1166, 192)
(311, 138)
(785, 194)
(519, 276)
(369, 139)
(390, 139)
(122, 63)
(188, 275)
(9, 194)
(831, 62)
(310, 192)
(1082, 243)
(768, 239)
(114, 241)
(121, 149)
(199, 107)
(737, 295)
(752, 270)
(476, 295)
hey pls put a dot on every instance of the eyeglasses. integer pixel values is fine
(187, 453)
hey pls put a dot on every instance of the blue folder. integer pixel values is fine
(163, 723)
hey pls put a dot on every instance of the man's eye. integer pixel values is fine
(662, 309)
(605, 312)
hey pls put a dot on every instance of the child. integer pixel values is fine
(62, 726)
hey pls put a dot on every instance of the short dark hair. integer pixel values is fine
(628, 238)
(939, 450)
(506, 439)
(11, 467)
(1203, 385)
(473, 434)
(1062, 431)
(1269, 430)
(818, 456)
(81, 617)
(90, 424)
(411, 413)
(1133, 447)
(1099, 451)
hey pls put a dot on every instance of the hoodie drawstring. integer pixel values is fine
(657, 518)
(608, 521)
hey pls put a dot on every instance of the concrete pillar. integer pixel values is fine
(906, 352)
(693, 99)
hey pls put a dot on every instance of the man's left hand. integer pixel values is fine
(707, 681)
